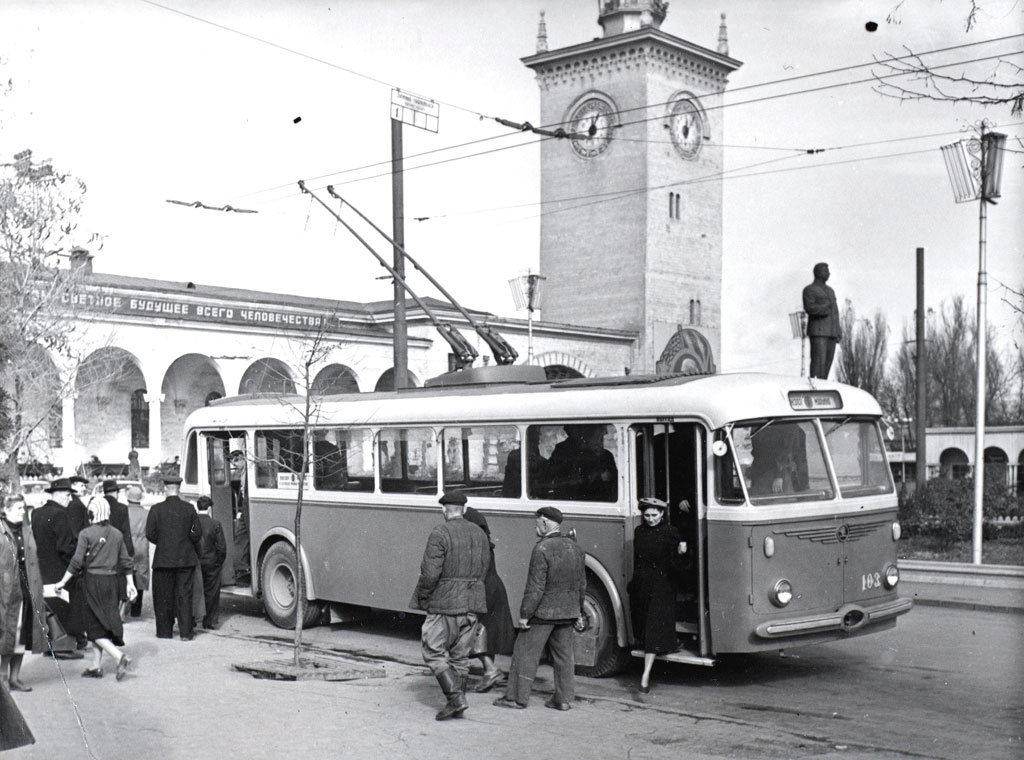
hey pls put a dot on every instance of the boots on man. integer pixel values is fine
(453, 685)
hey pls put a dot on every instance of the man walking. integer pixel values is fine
(451, 590)
(173, 527)
(137, 520)
(823, 327)
(552, 605)
(212, 550)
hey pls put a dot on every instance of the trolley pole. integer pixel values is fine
(401, 341)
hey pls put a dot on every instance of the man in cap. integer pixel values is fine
(173, 527)
(451, 591)
(212, 551)
(55, 546)
(552, 605)
(240, 517)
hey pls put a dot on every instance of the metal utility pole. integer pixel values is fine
(921, 412)
(401, 339)
(978, 178)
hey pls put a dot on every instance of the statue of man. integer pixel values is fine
(822, 322)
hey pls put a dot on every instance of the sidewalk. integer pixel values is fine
(998, 588)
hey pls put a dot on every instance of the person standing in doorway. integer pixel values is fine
(240, 512)
(823, 327)
(173, 528)
(212, 551)
(552, 607)
(451, 591)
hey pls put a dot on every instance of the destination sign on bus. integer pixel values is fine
(809, 401)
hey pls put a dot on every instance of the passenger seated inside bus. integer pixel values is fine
(779, 463)
(580, 468)
(329, 471)
(512, 486)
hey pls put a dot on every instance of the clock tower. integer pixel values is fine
(631, 231)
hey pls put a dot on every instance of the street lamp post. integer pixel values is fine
(978, 179)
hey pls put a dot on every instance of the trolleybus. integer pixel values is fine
(778, 485)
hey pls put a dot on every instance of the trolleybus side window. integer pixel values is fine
(408, 460)
(483, 461)
(572, 462)
(278, 458)
(782, 461)
(343, 460)
(858, 456)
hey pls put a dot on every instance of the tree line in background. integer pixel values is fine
(865, 361)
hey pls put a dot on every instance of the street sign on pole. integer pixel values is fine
(415, 110)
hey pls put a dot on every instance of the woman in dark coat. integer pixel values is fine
(102, 555)
(21, 593)
(498, 634)
(657, 547)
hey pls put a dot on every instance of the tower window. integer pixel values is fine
(694, 311)
(673, 206)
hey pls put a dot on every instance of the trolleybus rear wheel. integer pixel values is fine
(278, 578)
(609, 658)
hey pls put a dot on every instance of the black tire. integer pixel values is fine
(611, 658)
(277, 582)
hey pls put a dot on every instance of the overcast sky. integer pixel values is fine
(231, 103)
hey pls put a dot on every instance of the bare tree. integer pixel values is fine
(863, 352)
(998, 82)
(39, 210)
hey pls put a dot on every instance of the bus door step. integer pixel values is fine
(683, 656)
(686, 626)
(245, 591)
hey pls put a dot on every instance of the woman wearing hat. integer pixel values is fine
(657, 547)
(102, 555)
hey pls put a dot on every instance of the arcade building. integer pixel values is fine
(633, 280)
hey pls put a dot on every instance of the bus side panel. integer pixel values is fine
(730, 612)
(514, 538)
(868, 547)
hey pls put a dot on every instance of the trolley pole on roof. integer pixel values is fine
(401, 340)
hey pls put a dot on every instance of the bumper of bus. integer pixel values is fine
(847, 619)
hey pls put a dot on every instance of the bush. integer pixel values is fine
(944, 509)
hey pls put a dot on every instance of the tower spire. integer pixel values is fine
(723, 38)
(542, 35)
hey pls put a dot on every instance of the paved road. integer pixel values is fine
(946, 683)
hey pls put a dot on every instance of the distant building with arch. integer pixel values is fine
(153, 351)
(951, 454)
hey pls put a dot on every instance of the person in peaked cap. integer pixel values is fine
(451, 591)
(173, 527)
(55, 546)
(552, 606)
(119, 515)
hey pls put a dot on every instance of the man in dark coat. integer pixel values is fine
(173, 527)
(823, 326)
(213, 549)
(78, 513)
(55, 546)
(552, 605)
(119, 514)
(451, 590)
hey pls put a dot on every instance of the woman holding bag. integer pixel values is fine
(102, 555)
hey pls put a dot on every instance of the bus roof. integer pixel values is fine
(716, 399)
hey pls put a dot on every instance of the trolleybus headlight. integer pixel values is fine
(896, 531)
(782, 594)
(892, 576)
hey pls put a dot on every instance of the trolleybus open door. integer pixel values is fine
(228, 496)
(669, 459)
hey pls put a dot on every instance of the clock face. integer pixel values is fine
(687, 128)
(592, 123)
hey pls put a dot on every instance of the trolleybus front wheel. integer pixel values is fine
(278, 581)
(609, 657)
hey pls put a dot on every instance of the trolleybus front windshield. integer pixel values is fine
(783, 461)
